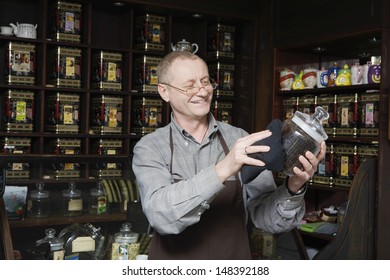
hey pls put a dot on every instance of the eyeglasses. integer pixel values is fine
(208, 84)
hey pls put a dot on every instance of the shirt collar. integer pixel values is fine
(213, 127)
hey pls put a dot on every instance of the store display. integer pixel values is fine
(221, 41)
(146, 115)
(106, 114)
(223, 111)
(110, 147)
(368, 114)
(65, 21)
(65, 67)
(72, 201)
(39, 202)
(145, 74)
(149, 32)
(346, 162)
(17, 111)
(16, 145)
(347, 115)
(63, 113)
(20, 64)
(107, 70)
(125, 246)
(223, 75)
(65, 146)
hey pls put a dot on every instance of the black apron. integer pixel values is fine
(221, 232)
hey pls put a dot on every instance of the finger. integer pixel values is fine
(256, 149)
(254, 137)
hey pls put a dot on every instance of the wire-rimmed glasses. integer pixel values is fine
(208, 84)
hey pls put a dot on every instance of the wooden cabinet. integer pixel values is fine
(344, 47)
(110, 27)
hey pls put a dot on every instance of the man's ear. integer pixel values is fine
(163, 92)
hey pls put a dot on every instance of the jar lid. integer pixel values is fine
(125, 235)
(98, 191)
(39, 193)
(56, 243)
(71, 191)
(312, 125)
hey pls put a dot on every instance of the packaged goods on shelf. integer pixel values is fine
(65, 21)
(65, 67)
(65, 146)
(369, 114)
(111, 147)
(221, 41)
(347, 115)
(223, 74)
(63, 113)
(149, 32)
(16, 145)
(346, 162)
(21, 65)
(145, 74)
(17, 111)
(223, 111)
(106, 114)
(107, 71)
(146, 115)
(329, 102)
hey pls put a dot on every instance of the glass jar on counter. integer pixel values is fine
(39, 202)
(56, 245)
(72, 202)
(300, 134)
(125, 246)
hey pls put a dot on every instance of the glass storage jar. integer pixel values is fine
(39, 202)
(300, 134)
(56, 244)
(98, 204)
(125, 246)
(72, 202)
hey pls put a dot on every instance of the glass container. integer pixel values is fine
(39, 202)
(300, 134)
(72, 202)
(56, 244)
(98, 204)
(125, 246)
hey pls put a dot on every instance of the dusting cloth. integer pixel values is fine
(273, 159)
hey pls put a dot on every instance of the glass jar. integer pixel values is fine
(98, 204)
(72, 202)
(39, 202)
(125, 246)
(56, 244)
(300, 134)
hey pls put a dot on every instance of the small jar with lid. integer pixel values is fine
(125, 246)
(72, 202)
(39, 202)
(98, 204)
(300, 134)
(56, 244)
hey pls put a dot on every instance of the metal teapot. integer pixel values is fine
(25, 30)
(184, 46)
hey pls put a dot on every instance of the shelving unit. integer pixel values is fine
(110, 27)
(345, 47)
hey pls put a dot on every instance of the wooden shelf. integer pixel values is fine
(58, 220)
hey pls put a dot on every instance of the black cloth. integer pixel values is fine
(273, 159)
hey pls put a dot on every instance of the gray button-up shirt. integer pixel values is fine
(175, 201)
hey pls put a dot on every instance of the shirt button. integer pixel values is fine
(199, 213)
(288, 200)
(284, 219)
(186, 143)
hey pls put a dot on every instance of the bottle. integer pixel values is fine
(98, 204)
(72, 202)
(39, 202)
(300, 134)
(125, 246)
(56, 245)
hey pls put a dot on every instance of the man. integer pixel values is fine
(188, 174)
